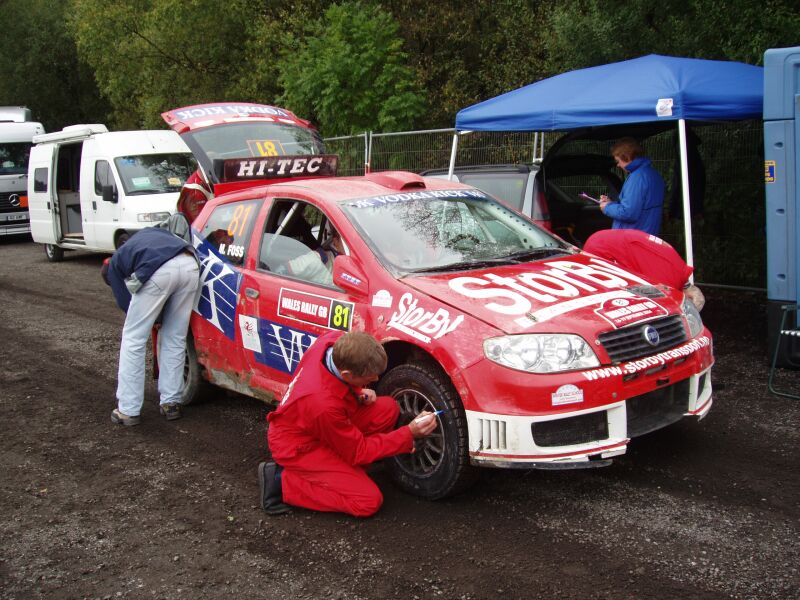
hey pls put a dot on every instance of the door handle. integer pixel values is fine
(251, 293)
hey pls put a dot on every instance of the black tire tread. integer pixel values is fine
(465, 474)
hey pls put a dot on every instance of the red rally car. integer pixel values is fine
(539, 355)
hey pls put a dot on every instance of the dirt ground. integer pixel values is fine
(703, 509)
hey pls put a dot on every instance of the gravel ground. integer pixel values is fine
(703, 509)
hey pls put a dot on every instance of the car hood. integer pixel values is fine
(575, 294)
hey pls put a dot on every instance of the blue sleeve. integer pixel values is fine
(631, 200)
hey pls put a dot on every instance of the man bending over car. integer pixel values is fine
(647, 255)
(329, 428)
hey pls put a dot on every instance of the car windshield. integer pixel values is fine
(448, 231)
(251, 139)
(154, 173)
(14, 158)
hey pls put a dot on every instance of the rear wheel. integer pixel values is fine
(54, 253)
(439, 466)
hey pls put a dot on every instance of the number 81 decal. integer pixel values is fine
(318, 310)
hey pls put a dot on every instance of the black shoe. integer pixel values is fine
(270, 494)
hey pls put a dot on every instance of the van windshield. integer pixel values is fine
(14, 158)
(154, 173)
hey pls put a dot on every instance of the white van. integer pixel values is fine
(16, 132)
(90, 189)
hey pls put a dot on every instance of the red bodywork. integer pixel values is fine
(446, 318)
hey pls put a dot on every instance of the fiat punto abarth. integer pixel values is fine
(540, 356)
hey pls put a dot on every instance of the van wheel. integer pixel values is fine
(122, 237)
(54, 253)
(195, 387)
(439, 466)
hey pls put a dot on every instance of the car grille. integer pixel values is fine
(629, 342)
(582, 429)
(657, 409)
(5, 203)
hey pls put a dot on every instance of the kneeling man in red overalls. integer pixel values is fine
(329, 428)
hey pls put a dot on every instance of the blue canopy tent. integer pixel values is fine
(646, 89)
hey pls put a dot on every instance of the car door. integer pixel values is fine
(223, 247)
(288, 298)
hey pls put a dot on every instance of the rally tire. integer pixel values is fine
(440, 465)
(195, 386)
(54, 253)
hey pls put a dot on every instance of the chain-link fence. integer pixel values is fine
(728, 229)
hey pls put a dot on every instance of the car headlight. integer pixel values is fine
(692, 317)
(541, 352)
(152, 217)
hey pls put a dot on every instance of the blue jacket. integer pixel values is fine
(641, 199)
(142, 254)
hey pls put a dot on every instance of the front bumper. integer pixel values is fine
(583, 438)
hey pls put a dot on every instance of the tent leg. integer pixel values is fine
(453, 157)
(687, 210)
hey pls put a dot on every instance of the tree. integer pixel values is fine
(594, 32)
(466, 52)
(348, 72)
(153, 55)
(40, 67)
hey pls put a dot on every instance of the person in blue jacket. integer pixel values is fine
(155, 273)
(641, 199)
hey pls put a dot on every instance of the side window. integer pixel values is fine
(300, 242)
(229, 227)
(103, 176)
(40, 179)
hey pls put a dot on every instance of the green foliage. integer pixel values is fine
(40, 67)
(348, 72)
(153, 55)
(594, 32)
(467, 52)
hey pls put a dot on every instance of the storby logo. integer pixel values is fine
(419, 323)
(563, 282)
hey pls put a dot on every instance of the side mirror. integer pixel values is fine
(349, 275)
(110, 194)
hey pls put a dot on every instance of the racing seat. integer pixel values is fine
(788, 309)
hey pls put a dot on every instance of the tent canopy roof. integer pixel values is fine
(649, 88)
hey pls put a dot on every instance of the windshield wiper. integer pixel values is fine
(535, 253)
(464, 265)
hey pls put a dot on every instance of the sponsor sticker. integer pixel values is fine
(282, 346)
(567, 394)
(317, 310)
(219, 288)
(769, 171)
(272, 167)
(410, 196)
(664, 107)
(248, 326)
(620, 312)
(420, 323)
(641, 364)
(382, 299)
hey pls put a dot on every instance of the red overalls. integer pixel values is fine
(645, 254)
(324, 439)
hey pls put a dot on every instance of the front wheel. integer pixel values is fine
(54, 253)
(195, 387)
(439, 466)
(121, 238)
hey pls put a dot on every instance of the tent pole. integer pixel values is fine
(453, 157)
(687, 210)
